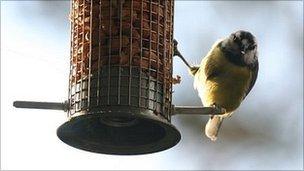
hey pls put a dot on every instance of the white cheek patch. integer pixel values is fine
(250, 56)
(238, 34)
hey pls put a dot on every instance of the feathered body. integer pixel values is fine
(225, 76)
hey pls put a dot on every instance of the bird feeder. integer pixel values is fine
(120, 83)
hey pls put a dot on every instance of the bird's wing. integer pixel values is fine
(211, 62)
(254, 69)
(211, 68)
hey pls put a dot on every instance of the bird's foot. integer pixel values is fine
(175, 50)
(176, 80)
(229, 115)
(218, 108)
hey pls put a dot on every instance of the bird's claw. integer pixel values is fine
(175, 50)
(218, 108)
(176, 80)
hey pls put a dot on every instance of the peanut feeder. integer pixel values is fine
(120, 83)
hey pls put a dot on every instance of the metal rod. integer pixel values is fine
(197, 110)
(41, 105)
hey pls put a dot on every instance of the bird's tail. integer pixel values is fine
(193, 70)
(213, 126)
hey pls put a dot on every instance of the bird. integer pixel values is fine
(225, 76)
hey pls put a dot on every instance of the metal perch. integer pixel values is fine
(41, 105)
(197, 110)
(190, 110)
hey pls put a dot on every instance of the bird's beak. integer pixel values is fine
(243, 52)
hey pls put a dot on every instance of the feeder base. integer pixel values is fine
(119, 133)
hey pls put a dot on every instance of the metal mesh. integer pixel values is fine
(121, 56)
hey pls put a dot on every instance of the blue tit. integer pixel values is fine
(226, 75)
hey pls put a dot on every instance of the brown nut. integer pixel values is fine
(154, 36)
(124, 59)
(146, 5)
(153, 74)
(135, 60)
(155, 8)
(146, 34)
(126, 13)
(135, 34)
(154, 46)
(154, 64)
(146, 25)
(145, 63)
(135, 48)
(146, 15)
(87, 36)
(153, 56)
(135, 15)
(136, 4)
(147, 54)
(87, 19)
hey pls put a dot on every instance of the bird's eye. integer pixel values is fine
(234, 37)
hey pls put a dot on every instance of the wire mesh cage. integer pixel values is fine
(120, 84)
(121, 55)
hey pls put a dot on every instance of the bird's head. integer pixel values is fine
(240, 48)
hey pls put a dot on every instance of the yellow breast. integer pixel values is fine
(228, 88)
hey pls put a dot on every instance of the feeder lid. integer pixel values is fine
(114, 133)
